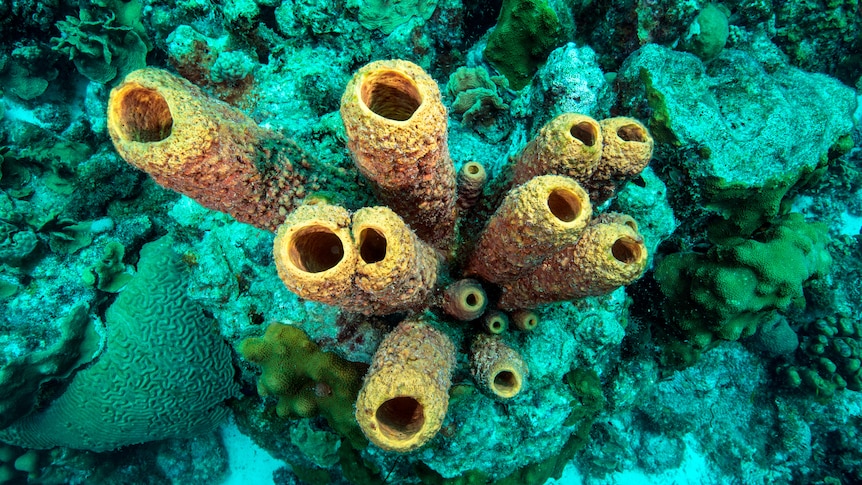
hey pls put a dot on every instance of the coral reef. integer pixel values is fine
(753, 185)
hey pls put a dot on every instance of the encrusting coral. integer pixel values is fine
(396, 129)
(206, 149)
(406, 391)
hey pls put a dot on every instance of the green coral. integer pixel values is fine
(526, 32)
(708, 33)
(731, 289)
(164, 373)
(829, 359)
(476, 99)
(306, 380)
(387, 16)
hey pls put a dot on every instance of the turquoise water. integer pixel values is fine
(240, 243)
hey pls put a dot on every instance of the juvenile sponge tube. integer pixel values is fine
(497, 368)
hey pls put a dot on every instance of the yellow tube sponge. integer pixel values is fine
(395, 270)
(405, 395)
(497, 368)
(495, 322)
(396, 129)
(202, 147)
(570, 145)
(534, 220)
(610, 253)
(471, 181)
(314, 254)
(464, 300)
(525, 320)
(626, 151)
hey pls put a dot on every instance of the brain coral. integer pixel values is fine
(164, 374)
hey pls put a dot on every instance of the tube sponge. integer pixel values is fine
(314, 254)
(371, 263)
(405, 395)
(570, 145)
(464, 300)
(498, 369)
(609, 254)
(202, 147)
(396, 129)
(534, 220)
(471, 181)
(395, 270)
(627, 148)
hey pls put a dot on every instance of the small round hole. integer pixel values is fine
(316, 249)
(585, 132)
(626, 250)
(400, 417)
(391, 95)
(372, 246)
(564, 205)
(631, 132)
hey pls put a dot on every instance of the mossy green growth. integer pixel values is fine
(306, 380)
(728, 291)
(829, 359)
(526, 32)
